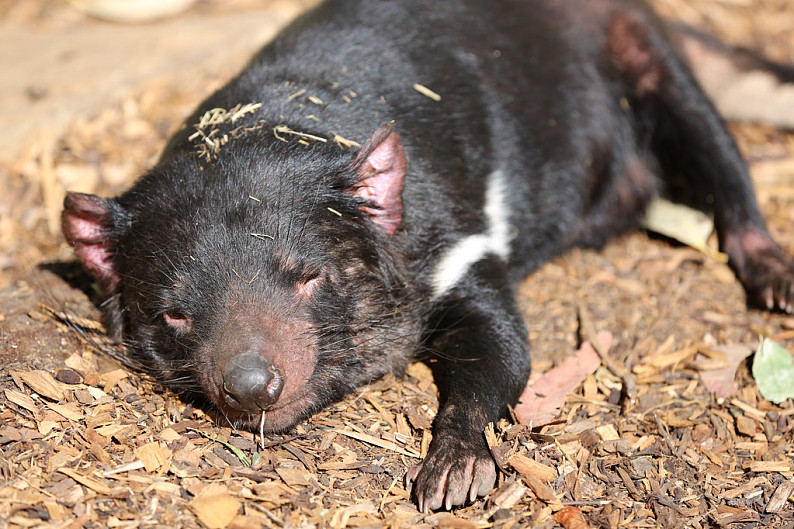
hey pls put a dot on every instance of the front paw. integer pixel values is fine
(455, 469)
(765, 270)
(768, 279)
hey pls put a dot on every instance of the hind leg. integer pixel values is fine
(697, 153)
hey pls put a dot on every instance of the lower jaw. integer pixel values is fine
(274, 420)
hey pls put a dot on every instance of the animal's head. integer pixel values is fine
(269, 280)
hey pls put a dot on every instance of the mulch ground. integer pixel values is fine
(85, 443)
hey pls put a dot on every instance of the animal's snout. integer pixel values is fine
(251, 383)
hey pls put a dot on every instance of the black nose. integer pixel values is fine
(251, 382)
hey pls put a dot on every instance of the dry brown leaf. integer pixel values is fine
(720, 379)
(342, 516)
(542, 400)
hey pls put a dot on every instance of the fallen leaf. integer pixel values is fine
(236, 451)
(720, 378)
(682, 223)
(773, 370)
(377, 441)
(342, 516)
(542, 400)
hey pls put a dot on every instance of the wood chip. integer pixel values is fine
(42, 383)
(743, 489)
(541, 490)
(215, 507)
(770, 466)
(153, 456)
(571, 518)
(529, 467)
(293, 476)
(68, 411)
(22, 400)
(376, 441)
(91, 483)
(111, 378)
(608, 432)
(784, 495)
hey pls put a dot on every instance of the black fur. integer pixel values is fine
(275, 226)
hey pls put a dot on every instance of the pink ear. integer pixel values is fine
(87, 224)
(382, 171)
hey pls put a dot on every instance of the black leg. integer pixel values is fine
(481, 365)
(698, 155)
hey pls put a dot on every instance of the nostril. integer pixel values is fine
(251, 382)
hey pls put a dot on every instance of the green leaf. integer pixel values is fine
(773, 369)
(236, 451)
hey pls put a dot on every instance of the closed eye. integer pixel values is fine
(178, 320)
(308, 284)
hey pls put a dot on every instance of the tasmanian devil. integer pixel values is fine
(376, 182)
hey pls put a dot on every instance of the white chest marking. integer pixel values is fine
(457, 259)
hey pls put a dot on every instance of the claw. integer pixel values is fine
(410, 477)
(768, 299)
(451, 474)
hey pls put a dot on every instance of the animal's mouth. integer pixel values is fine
(276, 418)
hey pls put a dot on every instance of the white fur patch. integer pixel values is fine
(457, 259)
